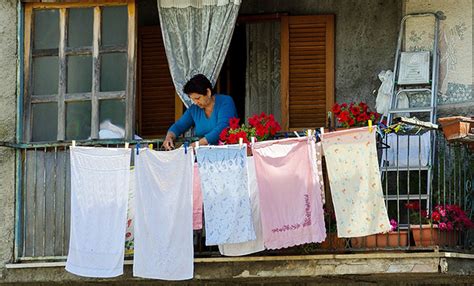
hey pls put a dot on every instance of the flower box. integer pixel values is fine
(429, 235)
(333, 242)
(456, 127)
(382, 240)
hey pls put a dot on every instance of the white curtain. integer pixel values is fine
(196, 35)
(263, 69)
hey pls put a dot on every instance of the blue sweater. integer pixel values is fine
(211, 127)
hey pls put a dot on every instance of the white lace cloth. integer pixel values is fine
(227, 211)
(244, 248)
(164, 215)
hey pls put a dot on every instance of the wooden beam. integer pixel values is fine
(27, 123)
(61, 4)
(131, 72)
(330, 55)
(62, 74)
(95, 74)
(178, 107)
(284, 72)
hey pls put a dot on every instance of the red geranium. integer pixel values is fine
(354, 114)
(260, 126)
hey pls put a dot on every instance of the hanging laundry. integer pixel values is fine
(227, 211)
(317, 159)
(244, 248)
(289, 193)
(415, 153)
(354, 177)
(164, 215)
(197, 199)
(129, 238)
(100, 180)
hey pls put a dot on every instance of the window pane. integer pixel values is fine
(112, 111)
(46, 29)
(80, 27)
(45, 122)
(113, 72)
(114, 25)
(78, 120)
(79, 74)
(45, 75)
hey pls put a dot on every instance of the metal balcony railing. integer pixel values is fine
(43, 204)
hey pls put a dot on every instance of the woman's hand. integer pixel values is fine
(168, 143)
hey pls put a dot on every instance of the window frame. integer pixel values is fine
(61, 98)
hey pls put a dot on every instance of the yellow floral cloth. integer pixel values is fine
(354, 178)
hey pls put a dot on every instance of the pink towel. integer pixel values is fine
(197, 200)
(290, 194)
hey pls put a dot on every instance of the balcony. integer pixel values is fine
(42, 226)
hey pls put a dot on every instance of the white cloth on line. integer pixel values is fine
(227, 211)
(99, 192)
(407, 154)
(244, 248)
(164, 215)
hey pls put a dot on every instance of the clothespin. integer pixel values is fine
(241, 142)
(370, 126)
(196, 145)
(137, 147)
(286, 134)
(126, 145)
(296, 133)
(186, 144)
(73, 143)
(150, 146)
(252, 141)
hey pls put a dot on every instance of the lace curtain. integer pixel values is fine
(196, 35)
(263, 69)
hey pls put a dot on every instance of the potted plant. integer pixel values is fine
(441, 228)
(353, 114)
(393, 238)
(262, 127)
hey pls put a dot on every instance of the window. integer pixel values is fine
(79, 69)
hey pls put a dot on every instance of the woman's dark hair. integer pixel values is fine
(198, 84)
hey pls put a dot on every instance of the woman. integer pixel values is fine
(209, 114)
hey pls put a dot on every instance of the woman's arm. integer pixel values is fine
(178, 128)
(226, 111)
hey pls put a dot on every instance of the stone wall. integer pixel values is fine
(366, 36)
(455, 94)
(8, 64)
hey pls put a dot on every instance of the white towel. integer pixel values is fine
(164, 215)
(99, 191)
(244, 248)
(407, 153)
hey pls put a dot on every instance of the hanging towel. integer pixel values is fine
(227, 211)
(354, 177)
(407, 154)
(290, 194)
(164, 215)
(244, 248)
(100, 180)
(197, 199)
(130, 215)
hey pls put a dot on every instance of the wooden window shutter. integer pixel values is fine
(156, 92)
(307, 70)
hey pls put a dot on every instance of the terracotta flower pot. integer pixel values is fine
(333, 242)
(429, 235)
(456, 127)
(381, 240)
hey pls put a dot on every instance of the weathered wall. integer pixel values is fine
(455, 39)
(366, 35)
(8, 48)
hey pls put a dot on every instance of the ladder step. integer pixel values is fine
(416, 109)
(408, 90)
(405, 197)
(401, 169)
